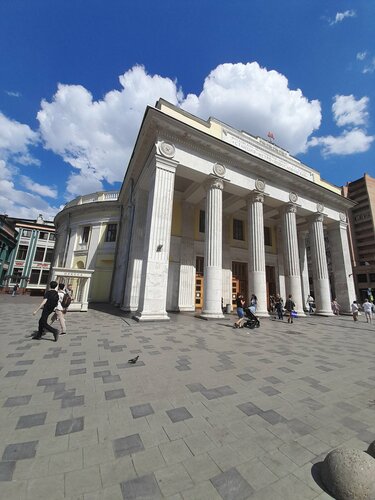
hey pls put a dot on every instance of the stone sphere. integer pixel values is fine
(349, 474)
(371, 449)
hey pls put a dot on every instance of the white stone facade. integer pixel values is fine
(181, 167)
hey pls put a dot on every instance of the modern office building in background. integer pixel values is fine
(362, 234)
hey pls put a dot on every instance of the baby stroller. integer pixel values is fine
(252, 321)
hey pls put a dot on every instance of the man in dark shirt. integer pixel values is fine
(49, 303)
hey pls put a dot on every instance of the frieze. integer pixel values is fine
(258, 150)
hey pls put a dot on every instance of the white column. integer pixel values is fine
(157, 242)
(280, 263)
(291, 257)
(305, 284)
(257, 257)
(341, 264)
(319, 266)
(227, 263)
(186, 292)
(93, 246)
(122, 255)
(213, 250)
(130, 300)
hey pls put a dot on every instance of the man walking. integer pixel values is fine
(49, 304)
(289, 306)
(60, 311)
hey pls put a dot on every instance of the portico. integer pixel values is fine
(209, 204)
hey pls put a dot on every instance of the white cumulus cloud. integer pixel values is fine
(340, 16)
(40, 189)
(15, 140)
(97, 137)
(256, 100)
(348, 143)
(347, 110)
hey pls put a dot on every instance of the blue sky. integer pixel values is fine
(76, 76)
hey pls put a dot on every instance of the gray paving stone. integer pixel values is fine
(249, 408)
(77, 371)
(20, 451)
(6, 470)
(72, 402)
(141, 410)
(142, 487)
(69, 426)
(114, 394)
(27, 421)
(16, 373)
(230, 484)
(178, 414)
(17, 401)
(127, 445)
(48, 381)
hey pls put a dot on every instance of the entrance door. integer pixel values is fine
(239, 281)
(271, 283)
(199, 282)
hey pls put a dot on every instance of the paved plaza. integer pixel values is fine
(207, 412)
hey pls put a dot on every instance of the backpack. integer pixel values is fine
(66, 301)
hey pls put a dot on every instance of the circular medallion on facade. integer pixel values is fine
(320, 208)
(167, 149)
(260, 185)
(219, 169)
(293, 197)
(342, 217)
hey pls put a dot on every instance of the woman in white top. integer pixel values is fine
(59, 311)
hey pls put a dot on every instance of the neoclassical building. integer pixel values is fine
(86, 238)
(208, 211)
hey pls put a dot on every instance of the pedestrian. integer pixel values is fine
(367, 308)
(49, 304)
(289, 306)
(335, 307)
(15, 288)
(310, 303)
(240, 303)
(279, 304)
(60, 311)
(355, 310)
(253, 303)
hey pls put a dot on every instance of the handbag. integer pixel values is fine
(293, 314)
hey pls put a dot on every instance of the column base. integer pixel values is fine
(323, 313)
(211, 315)
(144, 317)
(186, 308)
(261, 314)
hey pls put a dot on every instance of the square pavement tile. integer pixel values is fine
(27, 421)
(141, 487)
(108, 379)
(127, 445)
(77, 371)
(249, 409)
(72, 402)
(230, 484)
(17, 401)
(6, 470)
(69, 426)
(246, 377)
(114, 394)
(178, 414)
(141, 410)
(196, 387)
(48, 381)
(269, 390)
(16, 373)
(20, 451)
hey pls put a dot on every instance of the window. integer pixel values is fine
(43, 235)
(238, 233)
(362, 278)
(372, 276)
(44, 277)
(199, 265)
(22, 251)
(52, 237)
(39, 254)
(49, 255)
(202, 221)
(86, 234)
(268, 236)
(34, 277)
(111, 232)
(26, 233)
(17, 273)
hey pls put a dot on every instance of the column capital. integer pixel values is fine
(214, 183)
(290, 208)
(255, 196)
(317, 217)
(167, 164)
